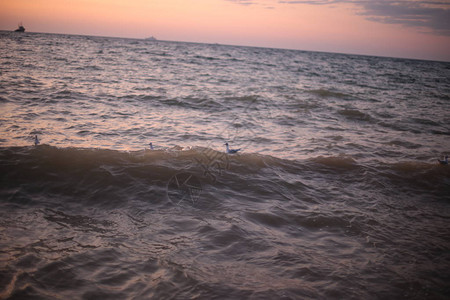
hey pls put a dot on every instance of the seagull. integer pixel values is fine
(445, 161)
(151, 146)
(36, 140)
(231, 151)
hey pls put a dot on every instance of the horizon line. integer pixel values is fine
(230, 45)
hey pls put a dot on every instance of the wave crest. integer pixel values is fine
(109, 177)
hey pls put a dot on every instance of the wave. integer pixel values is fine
(337, 163)
(354, 114)
(324, 93)
(109, 177)
(404, 144)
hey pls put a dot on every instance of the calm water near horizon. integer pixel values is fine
(335, 194)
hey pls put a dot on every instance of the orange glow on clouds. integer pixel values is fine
(267, 23)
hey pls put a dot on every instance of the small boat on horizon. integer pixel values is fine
(152, 38)
(20, 29)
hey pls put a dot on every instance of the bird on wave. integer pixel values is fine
(444, 161)
(231, 151)
(36, 140)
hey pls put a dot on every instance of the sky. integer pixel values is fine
(404, 28)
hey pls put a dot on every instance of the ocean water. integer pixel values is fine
(336, 193)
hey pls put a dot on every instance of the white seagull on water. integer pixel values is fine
(231, 151)
(445, 161)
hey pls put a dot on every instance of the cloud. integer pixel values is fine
(267, 4)
(432, 15)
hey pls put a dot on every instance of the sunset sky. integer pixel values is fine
(408, 28)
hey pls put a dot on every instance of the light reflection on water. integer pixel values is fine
(169, 92)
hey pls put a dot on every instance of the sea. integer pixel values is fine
(336, 193)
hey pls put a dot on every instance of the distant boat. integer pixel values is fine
(152, 38)
(20, 29)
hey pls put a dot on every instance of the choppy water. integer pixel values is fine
(336, 194)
